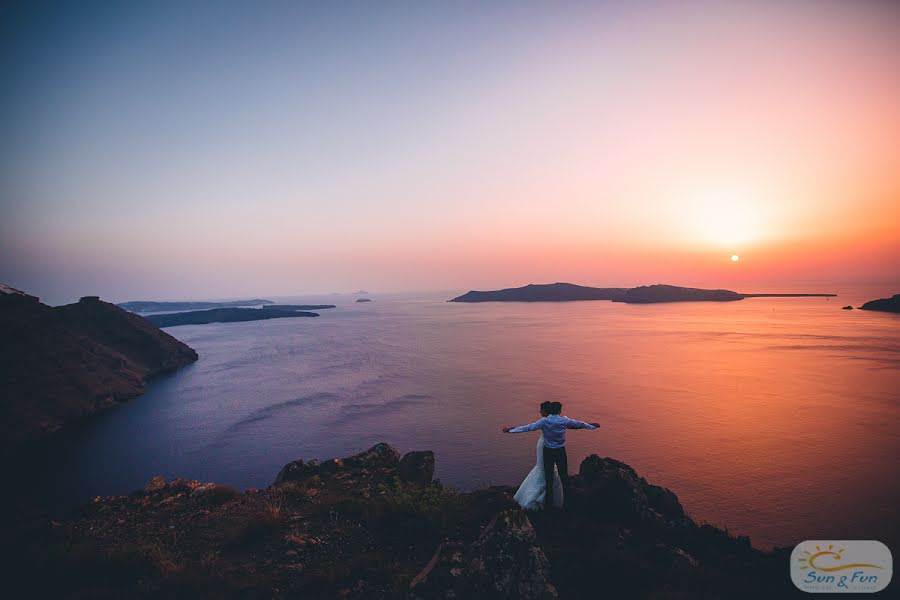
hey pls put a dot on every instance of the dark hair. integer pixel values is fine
(555, 408)
(547, 407)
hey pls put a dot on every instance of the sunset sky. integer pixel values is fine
(154, 151)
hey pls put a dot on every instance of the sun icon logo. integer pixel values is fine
(835, 555)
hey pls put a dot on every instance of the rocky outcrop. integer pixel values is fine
(224, 315)
(60, 364)
(613, 488)
(381, 456)
(350, 528)
(505, 562)
(417, 467)
(549, 292)
(891, 304)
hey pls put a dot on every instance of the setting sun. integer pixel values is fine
(735, 258)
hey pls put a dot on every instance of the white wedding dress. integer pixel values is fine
(530, 494)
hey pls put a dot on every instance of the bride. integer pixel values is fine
(530, 494)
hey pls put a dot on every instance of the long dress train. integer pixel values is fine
(530, 494)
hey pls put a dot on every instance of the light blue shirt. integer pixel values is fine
(554, 428)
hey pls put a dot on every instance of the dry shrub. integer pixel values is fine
(274, 499)
(258, 528)
(220, 494)
(161, 557)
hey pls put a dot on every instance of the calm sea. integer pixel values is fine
(775, 418)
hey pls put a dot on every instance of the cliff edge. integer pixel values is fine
(375, 525)
(58, 364)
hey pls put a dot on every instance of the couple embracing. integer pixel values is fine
(542, 487)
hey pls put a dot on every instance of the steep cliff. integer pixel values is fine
(59, 364)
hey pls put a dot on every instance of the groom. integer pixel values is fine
(554, 429)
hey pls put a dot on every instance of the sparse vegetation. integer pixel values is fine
(219, 494)
(430, 505)
(259, 527)
(274, 501)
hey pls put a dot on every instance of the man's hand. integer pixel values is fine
(506, 429)
(594, 424)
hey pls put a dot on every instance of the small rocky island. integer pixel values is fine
(891, 304)
(375, 525)
(147, 306)
(649, 294)
(224, 315)
(59, 364)
(363, 299)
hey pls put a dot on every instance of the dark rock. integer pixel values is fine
(848, 307)
(664, 501)
(891, 304)
(417, 467)
(593, 468)
(333, 464)
(505, 562)
(297, 471)
(684, 558)
(363, 299)
(380, 455)
(612, 490)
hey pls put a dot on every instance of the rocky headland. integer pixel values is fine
(225, 315)
(375, 525)
(147, 306)
(59, 364)
(891, 304)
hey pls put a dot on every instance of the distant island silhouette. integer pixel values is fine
(544, 292)
(145, 306)
(569, 292)
(891, 305)
(224, 315)
(301, 306)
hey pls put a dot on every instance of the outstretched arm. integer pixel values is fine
(523, 428)
(576, 424)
